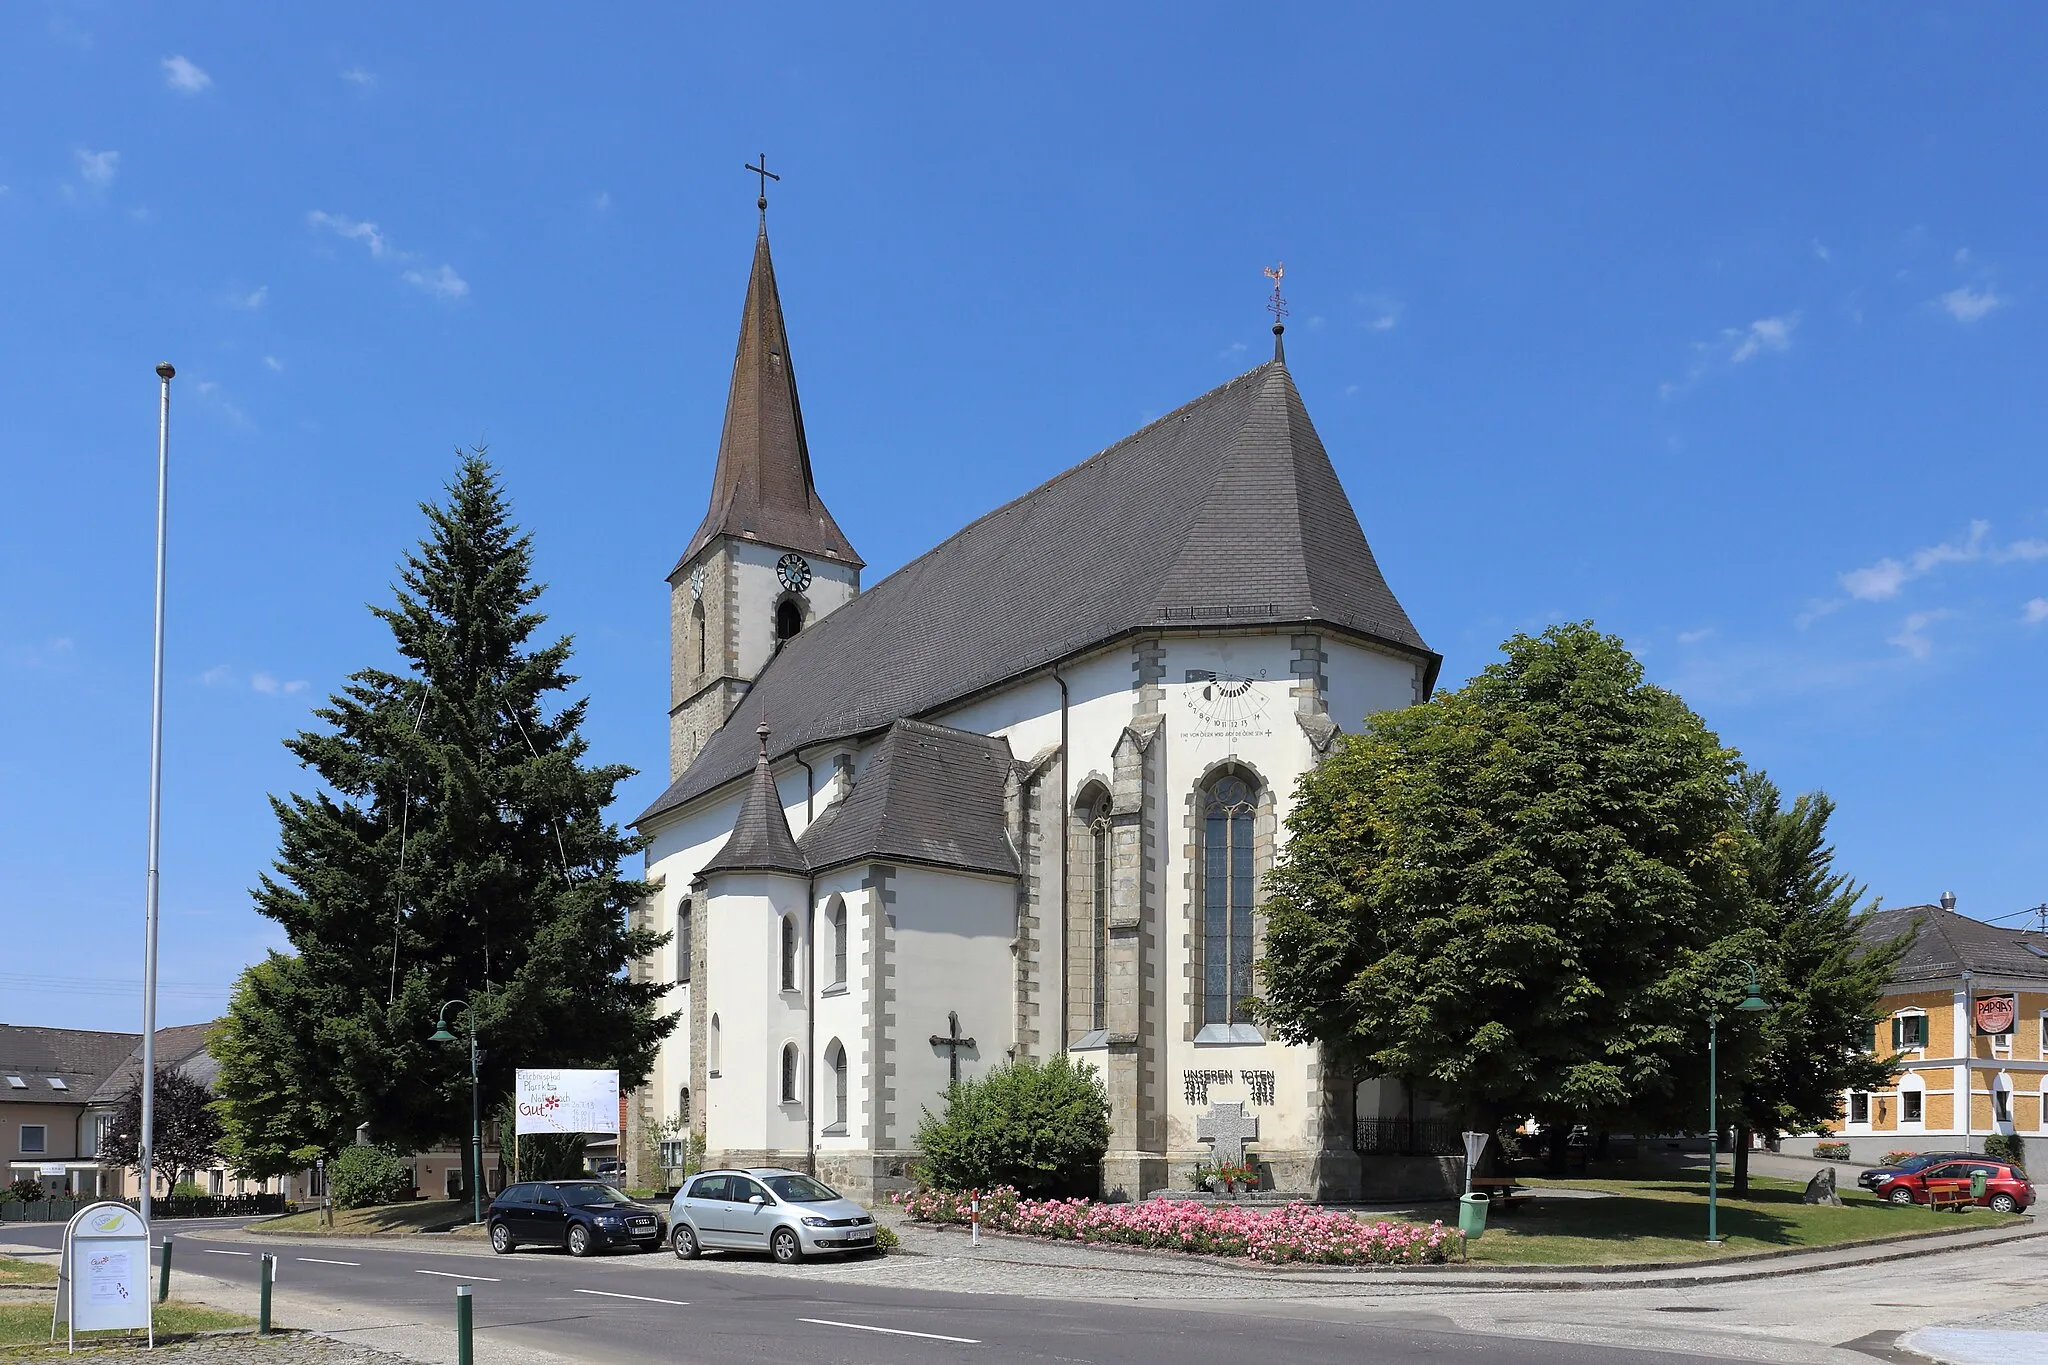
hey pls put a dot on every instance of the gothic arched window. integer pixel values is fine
(789, 952)
(1229, 805)
(789, 1069)
(789, 618)
(703, 638)
(683, 1104)
(835, 914)
(685, 926)
(711, 1047)
(1098, 920)
(835, 1062)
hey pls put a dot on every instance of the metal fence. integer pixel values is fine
(190, 1206)
(1408, 1136)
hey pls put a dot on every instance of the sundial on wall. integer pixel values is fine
(1227, 705)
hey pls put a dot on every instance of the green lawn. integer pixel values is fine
(13, 1271)
(25, 1327)
(420, 1215)
(1663, 1217)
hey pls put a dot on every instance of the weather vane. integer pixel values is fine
(766, 176)
(1276, 305)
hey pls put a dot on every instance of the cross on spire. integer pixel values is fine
(768, 175)
(953, 1043)
(1277, 306)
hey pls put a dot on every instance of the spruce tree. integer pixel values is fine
(457, 849)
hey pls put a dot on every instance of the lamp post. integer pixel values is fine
(476, 1128)
(1752, 1001)
(145, 1156)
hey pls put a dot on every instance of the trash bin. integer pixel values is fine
(1978, 1183)
(1472, 1215)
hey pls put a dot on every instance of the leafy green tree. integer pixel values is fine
(457, 848)
(1512, 894)
(1042, 1127)
(1824, 983)
(188, 1132)
(274, 1121)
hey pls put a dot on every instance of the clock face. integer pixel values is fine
(697, 583)
(794, 572)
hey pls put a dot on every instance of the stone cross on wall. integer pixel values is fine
(1228, 1127)
(952, 1042)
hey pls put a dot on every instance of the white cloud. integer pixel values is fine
(1385, 322)
(1822, 253)
(1232, 351)
(353, 230)
(2035, 611)
(1765, 334)
(254, 298)
(98, 168)
(220, 675)
(1882, 580)
(359, 78)
(48, 654)
(1693, 637)
(2025, 550)
(1967, 305)
(181, 75)
(603, 202)
(1350, 389)
(273, 362)
(442, 284)
(1912, 636)
(270, 686)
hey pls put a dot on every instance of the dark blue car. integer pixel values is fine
(585, 1216)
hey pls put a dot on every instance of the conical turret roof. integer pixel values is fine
(760, 841)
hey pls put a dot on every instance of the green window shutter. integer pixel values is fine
(1898, 1033)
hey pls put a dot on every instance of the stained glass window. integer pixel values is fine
(1228, 811)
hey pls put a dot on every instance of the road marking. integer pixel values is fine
(315, 1260)
(451, 1275)
(892, 1331)
(211, 1251)
(642, 1298)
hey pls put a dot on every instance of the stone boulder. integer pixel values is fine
(1821, 1189)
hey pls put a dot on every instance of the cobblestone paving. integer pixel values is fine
(284, 1349)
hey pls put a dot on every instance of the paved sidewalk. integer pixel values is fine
(2007, 1338)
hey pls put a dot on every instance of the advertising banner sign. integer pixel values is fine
(567, 1101)
(1996, 1014)
(103, 1274)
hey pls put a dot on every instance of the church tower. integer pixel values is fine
(768, 560)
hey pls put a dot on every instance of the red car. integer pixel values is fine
(2006, 1187)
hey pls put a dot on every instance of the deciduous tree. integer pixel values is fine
(188, 1133)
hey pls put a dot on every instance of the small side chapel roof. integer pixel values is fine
(760, 841)
(931, 794)
(1224, 512)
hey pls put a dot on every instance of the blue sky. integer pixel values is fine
(1724, 330)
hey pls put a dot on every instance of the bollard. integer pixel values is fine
(163, 1279)
(465, 1328)
(975, 1226)
(263, 1309)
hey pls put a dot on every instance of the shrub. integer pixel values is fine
(1041, 1127)
(2006, 1147)
(26, 1190)
(1831, 1151)
(1297, 1232)
(364, 1175)
(886, 1239)
(1893, 1158)
(187, 1189)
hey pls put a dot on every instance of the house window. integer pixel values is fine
(1098, 831)
(1859, 1106)
(2001, 1105)
(711, 1047)
(835, 913)
(1908, 1031)
(789, 977)
(35, 1139)
(789, 1069)
(1909, 1106)
(684, 929)
(2043, 1034)
(835, 1061)
(1227, 900)
(789, 619)
(683, 1105)
(102, 1128)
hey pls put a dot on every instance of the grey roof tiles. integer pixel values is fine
(1949, 944)
(930, 794)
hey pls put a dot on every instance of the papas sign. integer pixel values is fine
(566, 1101)
(1996, 1014)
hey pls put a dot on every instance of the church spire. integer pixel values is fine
(1277, 306)
(763, 488)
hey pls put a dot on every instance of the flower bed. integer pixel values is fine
(1294, 1232)
(1831, 1151)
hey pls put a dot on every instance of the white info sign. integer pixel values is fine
(567, 1101)
(103, 1280)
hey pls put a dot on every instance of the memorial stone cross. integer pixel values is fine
(1228, 1127)
(952, 1042)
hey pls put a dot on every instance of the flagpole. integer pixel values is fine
(146, 1146)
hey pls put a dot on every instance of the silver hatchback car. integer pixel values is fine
(785, 1213)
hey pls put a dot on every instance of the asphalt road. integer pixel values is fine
(628, 1307)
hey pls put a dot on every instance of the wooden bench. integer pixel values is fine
(1949, 1194)
(1499, 1189)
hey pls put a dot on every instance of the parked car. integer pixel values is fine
(1879, 1175)
(785, 1213)
(586, 1216)
(2006, 1187)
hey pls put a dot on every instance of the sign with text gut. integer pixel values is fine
(567, 1101)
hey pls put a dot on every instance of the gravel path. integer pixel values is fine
(285, 1349)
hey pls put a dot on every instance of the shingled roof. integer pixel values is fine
(1949, 944)
(931, 794)
(181, 1048)
(760, 839)
(81, 1058)
(1223, 512)
(763, 488)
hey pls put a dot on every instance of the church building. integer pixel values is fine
(1020, 797)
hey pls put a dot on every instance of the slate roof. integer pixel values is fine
(763, 488)
(930, 794)
(81, 1058)
(182, 1048)
(760, 840)
(1949, 944)
(1224, 511)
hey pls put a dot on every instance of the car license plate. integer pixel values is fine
(857, 1238)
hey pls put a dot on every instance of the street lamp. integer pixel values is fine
(476, 1128)
(1752, 1001)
